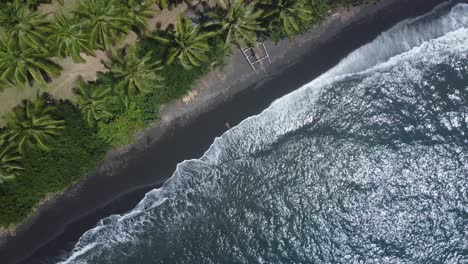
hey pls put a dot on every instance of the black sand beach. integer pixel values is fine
(187, 129)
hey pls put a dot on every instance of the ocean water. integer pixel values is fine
(367, 163)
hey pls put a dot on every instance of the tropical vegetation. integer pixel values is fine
(74, 154)
(21, 65)
(32, 124)
(133, 74)
(28, 28)
(93, 102)
(10, 164)
(239, 24)
(68, 40)
(33, 4)
(104, 21)
(138, 12)
(188, 44)
(286, 15)
(49, 144)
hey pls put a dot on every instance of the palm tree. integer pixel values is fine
(138, 12)
(34, 4)
(19, 65)
(104, 19)
(134, 74)
(29, 28)
(286, 15)
(222, 4)
(187, 44)
(93, 101)
(67, 39)
(32, 124)
(9, 160)
(239, 23)
(162, 4)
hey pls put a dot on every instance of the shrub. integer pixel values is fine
(318, 11)
(119, 131)
(178, 80)
(75, 153)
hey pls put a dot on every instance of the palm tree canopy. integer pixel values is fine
(134, 74)
(286, 15)
(138, 11)
(29, 28)
(10, 164)
(18, 65)
(33, 124)
(93, 101)
(104, 19)
(240, 23)
(67, 39)
(33, 4)
(162, 4)
(187, 44)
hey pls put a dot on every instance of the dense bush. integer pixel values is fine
(74, 154)
(318, 11)
(352, 2)
(178, 80)
(119, 131)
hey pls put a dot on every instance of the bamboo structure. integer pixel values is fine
(257, 58)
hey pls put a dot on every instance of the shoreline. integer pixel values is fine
(186, 130)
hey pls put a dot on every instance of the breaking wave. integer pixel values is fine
(367, 162)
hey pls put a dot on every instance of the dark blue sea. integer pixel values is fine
(366, 164)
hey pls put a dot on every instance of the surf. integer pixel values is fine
(421, 40)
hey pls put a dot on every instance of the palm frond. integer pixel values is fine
(133, 73)
(188, 44)
(240, 23)
(32, 124)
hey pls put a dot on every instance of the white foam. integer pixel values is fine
(78, 253)
(403, 37)
(424, 38)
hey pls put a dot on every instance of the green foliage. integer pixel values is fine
(138, 11)
(240, 23)
(75, 153)
(18, 65)
(33, 4)
(162, 4)
(27, 28)
(10, 164)
(133, 74)
(143, 108)
(120, 131)
(104, 20)
(320, 10)
(352, 2)
(286, 19)
(93, 101)
(286, 16)
(33, 124)
(188, 45)
(67, 39)
(178, 80)
(149, 105)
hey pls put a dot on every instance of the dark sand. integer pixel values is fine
(188, 129)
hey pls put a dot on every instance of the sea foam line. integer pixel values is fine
(440, 23)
